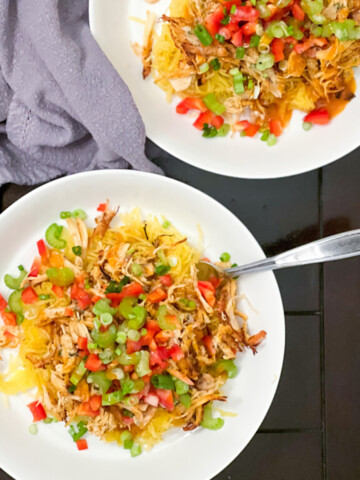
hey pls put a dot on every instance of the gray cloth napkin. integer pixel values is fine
(66, 108)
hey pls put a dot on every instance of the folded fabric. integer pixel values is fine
(66, 108)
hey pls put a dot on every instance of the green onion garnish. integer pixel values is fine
(265, 136)
(136, 269)
(254, 41)
(204, 68)
(307, 126)
(77, 250)
(162, 269)
(213, 105)
(215, 64)
(271, 141)
(223, 130)
(166, 224)
(240, 53)
(64, 215)
(33, 429)
(203, 35)
(233, 9)
(219, 38)
(225, 20)
(79, 213)
(225, 257)
(163, 381)
(44, 296)
(135, 450)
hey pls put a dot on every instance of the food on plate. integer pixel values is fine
(120, 331)
(245, 66)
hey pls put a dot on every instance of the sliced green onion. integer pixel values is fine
(13, 282)
(163, 381)
(223, 130)
(208, 420)
(142, 296)
(209, 132)
(142, 368)
(219, 38)
(185, 399)
(119, 373)
(104, 339)
(234, 71)
(250, 84)
(265, 61)
(271, 141)
(264, 12)
(134, 335)
(166, 224)
(100, 380)
(240, 53)
(121, 337)
(78, 373)
(215, 64)
(213, 105)
(64, 215)
(33, 429)
(203, 35)
(227, 366)
(53, 234)
(106, 319)
(265, 136)
(307, 126)
(136, 269)
(181, 387)
(107, 356)
(225, 20)
(126, 439)
(225, 257)
(162, 270)
(79, 213)
(186, 304)
(127, 386)
(233, 9)
(112, 398)
(135, 450)
(78, 432)
(92, 346)
(48, 420)
(77, 250)
(44, 296)
(254, 41)
(204, 67)
(143, 332)
(103, 306)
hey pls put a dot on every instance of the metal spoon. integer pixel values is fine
(336, 247)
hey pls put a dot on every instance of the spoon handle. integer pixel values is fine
(336, 247)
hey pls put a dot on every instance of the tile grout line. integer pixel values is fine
(322, 332)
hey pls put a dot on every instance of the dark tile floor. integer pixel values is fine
(311, 430)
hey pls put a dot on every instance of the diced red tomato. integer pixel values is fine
(249, 28)
(134, 289)
(176, 353)
(93, 363)
(82, 343)
(128, 420)
(9, 335)
(207, 290)
(242, 125)
(82, 444)
(212, 21)
(166, 399)
(190, 103)
(3, 303)
(37, 410)
(59, 292)
(29, 296)
(166, 280)
(159, 357)
(101, 207)
(251, 130)
(298, 12)
(78, 293)
(132, 346)
(152, 399)
(207, 341)
(276, 127)
(69, 312)
(95, 402)
(246, 14)
(215, 281)
(319, 116)
(277, 49)
(210, 118)
(157, 295)
(42, 250)
(237, 38)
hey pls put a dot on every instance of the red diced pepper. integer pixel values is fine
(275, 127)
(35, 267)
(252, 130)
(166, 399)
(82, 343)
(249, 28)
(207, 290)
(95, 402)
(166, 280)
(132, 290)
(298, 12)
(37, 411)
(208, 118)
(59, 292)
(157, 295)
(176, 353)
(207, 341)
(82, 444)
(237, 38)
(246, 14)
(29, 296)
(93, 363)
(42, 250)
(132, 346)
(190, 103)
(319, 116)
(101, 207)
(277, 49)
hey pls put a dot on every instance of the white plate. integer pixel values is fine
(296, 152)
(204, 453)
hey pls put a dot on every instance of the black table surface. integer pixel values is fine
(312, 428)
